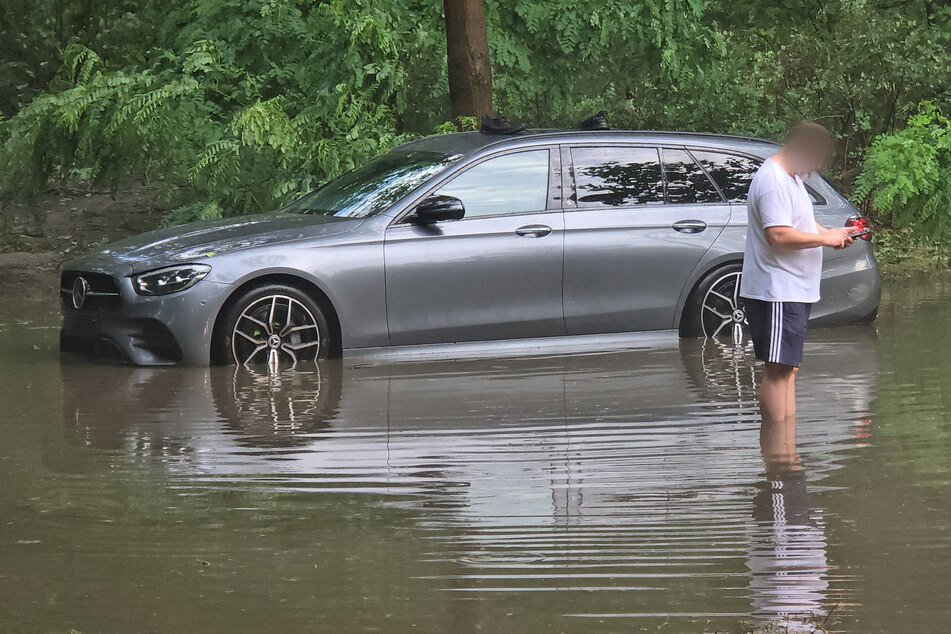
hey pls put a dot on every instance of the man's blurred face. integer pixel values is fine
(808, 155)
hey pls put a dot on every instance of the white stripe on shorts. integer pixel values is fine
(776, 332)
(772, 332)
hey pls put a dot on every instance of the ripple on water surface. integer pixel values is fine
(633, 473)
(572, 491)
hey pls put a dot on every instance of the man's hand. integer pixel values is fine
(837, 238)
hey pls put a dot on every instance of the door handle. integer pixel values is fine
(533, 231)
(689, 226)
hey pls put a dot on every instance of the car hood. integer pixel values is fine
(199, 240)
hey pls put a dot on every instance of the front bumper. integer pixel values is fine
(169, 330)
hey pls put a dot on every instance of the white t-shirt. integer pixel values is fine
(779, 275)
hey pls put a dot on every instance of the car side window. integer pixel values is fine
(686, 181)
(509, 184)
(731, 173)
(815, 197)
(617, 176)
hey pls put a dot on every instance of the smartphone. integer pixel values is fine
(861, 234)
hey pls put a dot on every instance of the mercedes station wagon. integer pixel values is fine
(468, 237)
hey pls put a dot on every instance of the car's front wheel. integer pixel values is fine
(277, 325)
(715, 308)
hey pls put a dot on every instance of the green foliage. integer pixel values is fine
(246, 104)
(901, 253)
(33, 36)
(558, 61)
(907, 174)
(859, 67)
(237, 106)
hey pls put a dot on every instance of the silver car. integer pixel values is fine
(458, 238)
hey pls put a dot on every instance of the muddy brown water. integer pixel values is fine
(608, 491)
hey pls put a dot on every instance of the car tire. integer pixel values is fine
(276, 324)
(711, 309)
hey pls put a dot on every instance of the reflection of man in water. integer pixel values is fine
(787, 545)
(782, 264)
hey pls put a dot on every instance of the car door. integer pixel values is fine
(494, 274)
(638, 219)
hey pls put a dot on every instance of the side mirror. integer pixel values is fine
(437, 208)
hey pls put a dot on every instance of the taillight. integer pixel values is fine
(860, 224)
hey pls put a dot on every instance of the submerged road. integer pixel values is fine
(573, 491)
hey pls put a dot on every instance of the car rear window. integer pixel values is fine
(617, 176)
(732, 173)
(686, 181)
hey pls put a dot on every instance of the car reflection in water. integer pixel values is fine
(622, 471)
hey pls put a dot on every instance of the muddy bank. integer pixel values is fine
(65, 223)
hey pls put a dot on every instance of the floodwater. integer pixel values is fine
(601, 492)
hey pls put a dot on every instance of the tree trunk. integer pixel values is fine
(470, 75)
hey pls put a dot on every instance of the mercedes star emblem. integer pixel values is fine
(80, 290)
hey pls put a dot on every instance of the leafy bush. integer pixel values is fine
(33, 36)
(559, 61)
(857, 66)
(907, 176)
(236, 106)
(246, 103)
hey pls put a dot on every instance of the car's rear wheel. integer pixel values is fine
(277, 325)
(715, 308)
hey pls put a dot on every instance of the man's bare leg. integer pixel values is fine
(774, 393)
(791, 396)
(777, 398)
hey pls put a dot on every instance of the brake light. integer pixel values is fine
(860, 224)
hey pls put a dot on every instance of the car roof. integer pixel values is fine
(464, 143)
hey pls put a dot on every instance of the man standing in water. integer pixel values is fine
(782, 265)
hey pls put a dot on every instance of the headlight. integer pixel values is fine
(170, 280)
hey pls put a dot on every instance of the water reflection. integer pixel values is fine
(620, 481)
(787, 550)
(280, 409)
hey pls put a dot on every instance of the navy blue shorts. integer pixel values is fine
(778, 330)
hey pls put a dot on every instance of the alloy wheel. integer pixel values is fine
(275, 329)
(722, 312)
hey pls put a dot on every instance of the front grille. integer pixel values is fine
(103, 295)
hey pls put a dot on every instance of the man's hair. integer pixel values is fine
(808, 133)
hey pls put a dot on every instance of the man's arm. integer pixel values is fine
(776, 214)
(785, 237)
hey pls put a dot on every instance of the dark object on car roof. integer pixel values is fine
(500, 125)
(597, 121)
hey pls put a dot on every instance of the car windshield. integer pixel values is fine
(372, 187)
